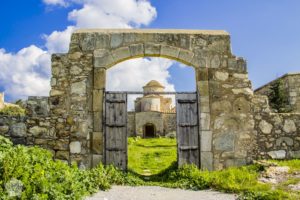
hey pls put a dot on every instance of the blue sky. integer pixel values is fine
(266, 33)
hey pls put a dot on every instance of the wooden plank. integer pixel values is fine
(187, 129)
(116, 130)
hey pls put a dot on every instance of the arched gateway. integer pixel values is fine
(214, 125)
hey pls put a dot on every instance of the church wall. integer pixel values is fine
(169, 122)
(131, 124)
(154, 118)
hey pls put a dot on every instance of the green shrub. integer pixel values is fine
(12, 111)
(44, 178)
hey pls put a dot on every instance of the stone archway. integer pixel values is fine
(221, 78)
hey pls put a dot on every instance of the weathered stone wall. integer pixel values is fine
(131, 124)
(14, 128)
(278, 135)
(169, 120)
(291, 84)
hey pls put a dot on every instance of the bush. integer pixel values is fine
(43, 178)
(12, 111)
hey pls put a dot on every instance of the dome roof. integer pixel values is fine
(154, 83)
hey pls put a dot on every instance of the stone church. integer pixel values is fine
(153, 115)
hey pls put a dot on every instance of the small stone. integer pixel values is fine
(75, 70)
(246, 91)
(240, 76)
(289, 126)
(280, 154)
(38, 131)
(222, 76)
(4, 129)
(78, 88)
(75, 147)
(18, 130)
(265, 127)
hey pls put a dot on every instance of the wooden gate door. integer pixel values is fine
(188, 151)
(116, 129)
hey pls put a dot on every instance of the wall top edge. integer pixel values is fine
(164, 31)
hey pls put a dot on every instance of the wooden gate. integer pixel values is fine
(188, 140)
(116, 129)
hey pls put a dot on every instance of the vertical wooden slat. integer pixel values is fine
(116, 130)
(187, 129)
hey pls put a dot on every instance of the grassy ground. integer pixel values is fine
(41, 177)
(151, 156)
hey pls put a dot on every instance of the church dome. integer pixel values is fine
(154, 83)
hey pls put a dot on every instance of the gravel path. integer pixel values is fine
(158, 193)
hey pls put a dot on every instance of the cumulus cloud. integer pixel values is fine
(25, 73)
(58, 41)
(132, 75)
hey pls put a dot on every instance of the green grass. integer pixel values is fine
(151, 156)
(294, 164)
(44, 178)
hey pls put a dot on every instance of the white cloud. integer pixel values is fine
(56, 2)
(132, 75)
(31, 65)
(58, 41)
(25, 73)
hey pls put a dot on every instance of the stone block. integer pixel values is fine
(98, 121)
(4, 129)
(221, 76)
(98, 100)
(185, 56)
(99, 78)
(206, 161)
(116, 40)
(288, 141)
(204, 121)
(204, 104)
(120, 54)
(280, 154)
(18, 130)
(54, 92)
(97, 142)
(198, 61)
(265, 127)
(289, 126)
(136, 50)
(215, 61)
(170, 51)
(75, 147)
(206, 140)
(152, 49)
(79, 88)
(75, 70)
(102, 59)
(245, 91)
(295, 154)
(202, 87)
(37, 131)
(224, 142)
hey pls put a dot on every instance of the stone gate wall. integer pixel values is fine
(236, 126)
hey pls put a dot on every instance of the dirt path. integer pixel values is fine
(158, 193)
